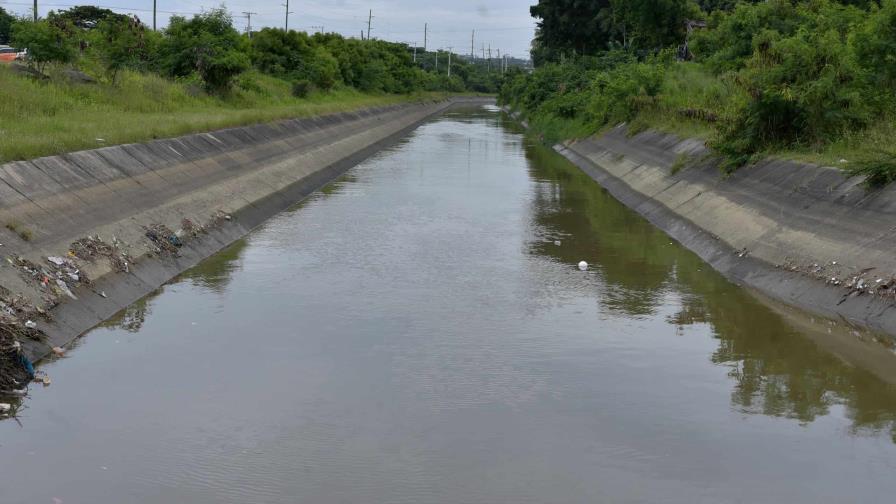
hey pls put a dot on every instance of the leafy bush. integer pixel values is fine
(206, 44)
(804, 89)
(323, 69)
(46, 42)
(874, 44)
(6, 21)
(301, 88)
(120, 43)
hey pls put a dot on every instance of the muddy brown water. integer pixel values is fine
(413, 334)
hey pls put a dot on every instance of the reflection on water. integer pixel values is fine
(415, 333)
(774, 370)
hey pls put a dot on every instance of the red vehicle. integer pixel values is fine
(10, 54)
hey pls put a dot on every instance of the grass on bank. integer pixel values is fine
(55, 116)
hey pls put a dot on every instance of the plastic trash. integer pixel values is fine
(64, 288)
(557, 242)
(583, 265)
(31, 324)
(58, 350)
(5, 407)
(58, 261)
(41, 377)
(26, 363)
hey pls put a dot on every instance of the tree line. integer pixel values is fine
(762, 76)
(206, 47)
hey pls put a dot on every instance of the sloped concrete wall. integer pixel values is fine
(797, 232)
(249, 173)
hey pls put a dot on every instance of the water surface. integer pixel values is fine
(413, 334)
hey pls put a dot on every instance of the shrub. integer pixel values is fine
(301, 88)
(6, 21)
(46, 42)
(206, 44)
(803, 89)
(323, 69)
(120, 43)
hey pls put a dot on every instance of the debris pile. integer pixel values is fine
(163, 239)
(857, 283)
(59, 276)
(15, 369)
(219, 218)
(92, 247)
(190, 228)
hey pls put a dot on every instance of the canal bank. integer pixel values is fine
(806, 235)
(419, 331)
(88, 233)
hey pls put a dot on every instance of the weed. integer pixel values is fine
(680, 162)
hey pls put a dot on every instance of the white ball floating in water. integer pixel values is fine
(557, 242)
(583, 265)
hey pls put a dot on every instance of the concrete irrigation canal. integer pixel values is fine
(418, 330)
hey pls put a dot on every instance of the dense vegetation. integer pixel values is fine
(133, 83)
(812, 79)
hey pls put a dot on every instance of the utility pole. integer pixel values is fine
(415, 52)
(35, 10)
(369, 19)
(449, 61)
(437, 61)
(489, 58)
(153, 15)
(286, 23)
(473, 46)
(249, 22)
(425, 34)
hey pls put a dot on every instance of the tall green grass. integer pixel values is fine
(52, 117)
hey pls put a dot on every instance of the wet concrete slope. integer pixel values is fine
(199, 192)
(804, 234)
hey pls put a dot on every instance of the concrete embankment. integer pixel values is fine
(803, 234)
(131, 217)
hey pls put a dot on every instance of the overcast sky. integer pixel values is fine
(505, 24)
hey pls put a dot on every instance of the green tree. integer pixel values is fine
(88, 16)
(6, 21)
(659, 23)
(324, 69)
(120, 42)
(46, 42)
(570, 26)
(278, 52)
(208, 45)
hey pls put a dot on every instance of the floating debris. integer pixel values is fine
(583, 265)
(43, 378)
